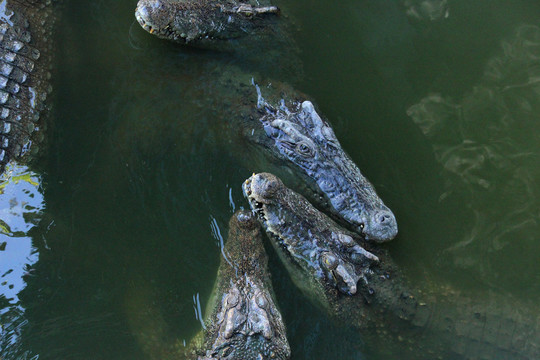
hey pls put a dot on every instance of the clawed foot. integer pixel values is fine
(347, 263)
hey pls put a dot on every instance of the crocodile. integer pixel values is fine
(297, 134)
(26, 50)
(242, 320)
(285, 123)
(202, 22)
(358, 283)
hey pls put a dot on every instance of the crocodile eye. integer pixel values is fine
(261, 301)
(304, 149)
(232, 300)
(329, 261)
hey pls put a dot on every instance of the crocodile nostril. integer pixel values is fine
(384, 218)
(245, 218)
(149, 10)
(382, 226)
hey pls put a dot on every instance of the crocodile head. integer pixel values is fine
(320, 256)
(303, 138)
(192, 20)
(244, 322)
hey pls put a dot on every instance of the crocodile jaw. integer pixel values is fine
(307, 240)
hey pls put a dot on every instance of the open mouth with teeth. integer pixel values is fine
(144, 17)
(262, 192)
(308, 239)
(140, 15)
(256, 207)
(146, 27)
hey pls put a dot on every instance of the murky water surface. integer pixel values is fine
(438, 102)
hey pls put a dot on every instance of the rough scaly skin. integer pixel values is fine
(195, 21)
(242, 320)
(297, 133)
(330, 254)
(360, 285)
(25, 60)
(287, 126)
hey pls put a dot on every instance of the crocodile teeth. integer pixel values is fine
(256, 207)
(246, 187)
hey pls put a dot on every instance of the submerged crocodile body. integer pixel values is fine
(360, 285)
(25, 61)
(242, 320)
(290, 130)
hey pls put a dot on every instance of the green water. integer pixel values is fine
(142, 174)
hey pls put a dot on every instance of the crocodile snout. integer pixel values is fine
(142, 14)
(153, 15)
(382, 226)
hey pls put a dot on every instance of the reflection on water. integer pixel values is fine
(21, 206)
(427, 9)
(489, 143)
